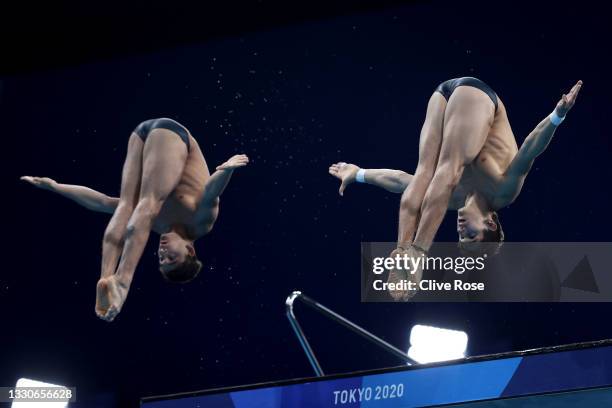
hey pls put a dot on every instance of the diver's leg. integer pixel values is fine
(164, 158)
(112, 243)
(467, 121)
(429, 149)
(469, 116)
(412, 198)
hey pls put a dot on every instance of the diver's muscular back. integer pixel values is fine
(183, 205)
(486, 172)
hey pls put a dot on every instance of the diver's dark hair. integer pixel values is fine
(494, 236)
(186, 272)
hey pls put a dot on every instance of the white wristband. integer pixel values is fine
(360, 177)
(556, 119)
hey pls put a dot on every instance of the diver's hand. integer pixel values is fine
(110, 297)
(345, 172)
(234, 162)
(567, 101)
(45, 183)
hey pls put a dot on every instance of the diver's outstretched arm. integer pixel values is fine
(217, 182)
(534, 145)
(84, 196)
(395, 181)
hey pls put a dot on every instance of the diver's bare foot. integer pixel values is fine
(110, 296)
(396, 276)
(346, 172)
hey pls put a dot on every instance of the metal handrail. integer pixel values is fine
(297, 295)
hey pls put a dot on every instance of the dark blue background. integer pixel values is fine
(295, 100)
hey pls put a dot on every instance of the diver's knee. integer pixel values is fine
(408, 205)
(113, 236)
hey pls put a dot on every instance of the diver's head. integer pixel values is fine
(177, 258)
(477, 222)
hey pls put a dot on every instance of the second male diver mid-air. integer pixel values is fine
(166, 187)
(468, 160)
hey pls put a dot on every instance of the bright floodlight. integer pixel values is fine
(24, 382)
(430, 344)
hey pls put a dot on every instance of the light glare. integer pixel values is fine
(430, 344)
(25, 382)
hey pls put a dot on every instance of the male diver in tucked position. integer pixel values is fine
(165, 187)
(468, 160)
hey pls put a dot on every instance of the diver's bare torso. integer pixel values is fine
(184, 206)
(486, 172)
